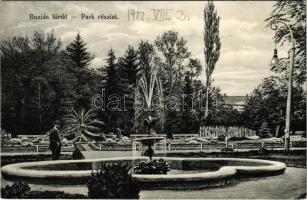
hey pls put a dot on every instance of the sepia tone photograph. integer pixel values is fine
(153, 99)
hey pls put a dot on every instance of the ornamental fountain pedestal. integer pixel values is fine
(148, 141)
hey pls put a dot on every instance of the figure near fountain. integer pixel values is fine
(55, 141)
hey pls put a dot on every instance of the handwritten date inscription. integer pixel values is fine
(156, 15)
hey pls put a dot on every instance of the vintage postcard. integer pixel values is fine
(153, 99)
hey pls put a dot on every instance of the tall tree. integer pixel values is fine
(111, 86)
(35, 78)
(114, 91)
(130, 65)
(174, 53)
(292, 13)
(81, 58)
(111, 70)
(129, 72)
(187, 117)
(174, 63)
(212, 45)
(78, 52)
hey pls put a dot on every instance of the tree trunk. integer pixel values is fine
(207, 103)
(39, 105)
(207, 97)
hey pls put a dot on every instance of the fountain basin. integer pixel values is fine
(218, 171)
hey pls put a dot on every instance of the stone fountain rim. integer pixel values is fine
(18, 169)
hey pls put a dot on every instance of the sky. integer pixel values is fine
(247, 44)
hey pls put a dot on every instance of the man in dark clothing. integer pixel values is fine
(55, 141)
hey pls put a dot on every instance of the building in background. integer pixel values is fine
(236, 102)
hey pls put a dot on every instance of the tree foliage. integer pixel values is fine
(264, 131)
(176, 71)
(266, 106)
(39, 82)
(188, 120)
(112, 87)
(28, 87)
(130, 72)
(174, 53)
(146, 56)
(116, 88)
(212, 44)
(267, 103)
(130, 65)
(78, 53)
(292, 13)
(80, 59)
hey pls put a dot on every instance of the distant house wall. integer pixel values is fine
(236, 102)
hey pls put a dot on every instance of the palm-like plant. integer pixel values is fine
(83, 125)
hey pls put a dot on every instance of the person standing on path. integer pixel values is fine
(55, 141)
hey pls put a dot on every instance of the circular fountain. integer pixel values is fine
(190, 172)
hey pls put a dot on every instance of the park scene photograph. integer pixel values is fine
(153, 99)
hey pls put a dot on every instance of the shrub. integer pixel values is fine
(24, 139)
(45, 142)
(192, 142)
(5, 135)
(202, 140)
(264, 131)
(263, 151)
(77, 155)
(27, 144)
(110, 141)
(125, 138)
(21, 190)
(221, 137)
(112, 181)
(152, 167)
(52, 195)
(16, 191)
(37, 140)
(14, 141)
